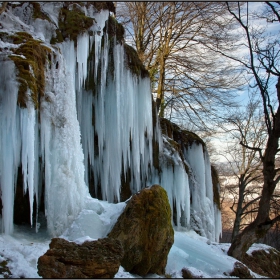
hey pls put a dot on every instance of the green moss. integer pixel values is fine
(114, 30)
(31, 69)
(58, 39)
(147, 217)
(185, 137)
(134, 63)
(37, 12)
(103, 6)
(190, 138)
(20, 37)
(71, 24)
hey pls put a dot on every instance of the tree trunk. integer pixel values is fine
(238, 215)
(160, 90)
(262, 224)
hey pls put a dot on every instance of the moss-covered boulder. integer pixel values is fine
(145, 231)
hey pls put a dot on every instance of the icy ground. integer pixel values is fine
(203, 258)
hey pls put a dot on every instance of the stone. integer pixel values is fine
(145, 231)
(241, 271)
(92, 259)
(187, 274)
(264, 262)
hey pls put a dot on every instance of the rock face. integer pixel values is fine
(145, 231)
(92, 259)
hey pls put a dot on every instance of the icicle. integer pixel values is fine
(124, 129)
(201, 190)
(9, 142)
(28, 157)
(82, 56)
(174, 179)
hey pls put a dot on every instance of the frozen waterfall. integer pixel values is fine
(94, 128)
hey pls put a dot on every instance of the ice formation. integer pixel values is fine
(190, 193)
(123, 123)
(94, 124)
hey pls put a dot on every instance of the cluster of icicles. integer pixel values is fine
(59, 151)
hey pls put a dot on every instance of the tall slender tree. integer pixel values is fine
(244, 125)
(262, 64)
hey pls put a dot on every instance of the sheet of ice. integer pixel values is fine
(29, 153)
(94, 221)
(16, 20)
(61, 147)
(193, 252)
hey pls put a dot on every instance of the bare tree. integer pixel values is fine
(189, 83)
(262, 64)
(246, 126)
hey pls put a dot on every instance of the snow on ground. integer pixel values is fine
(203, 258)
